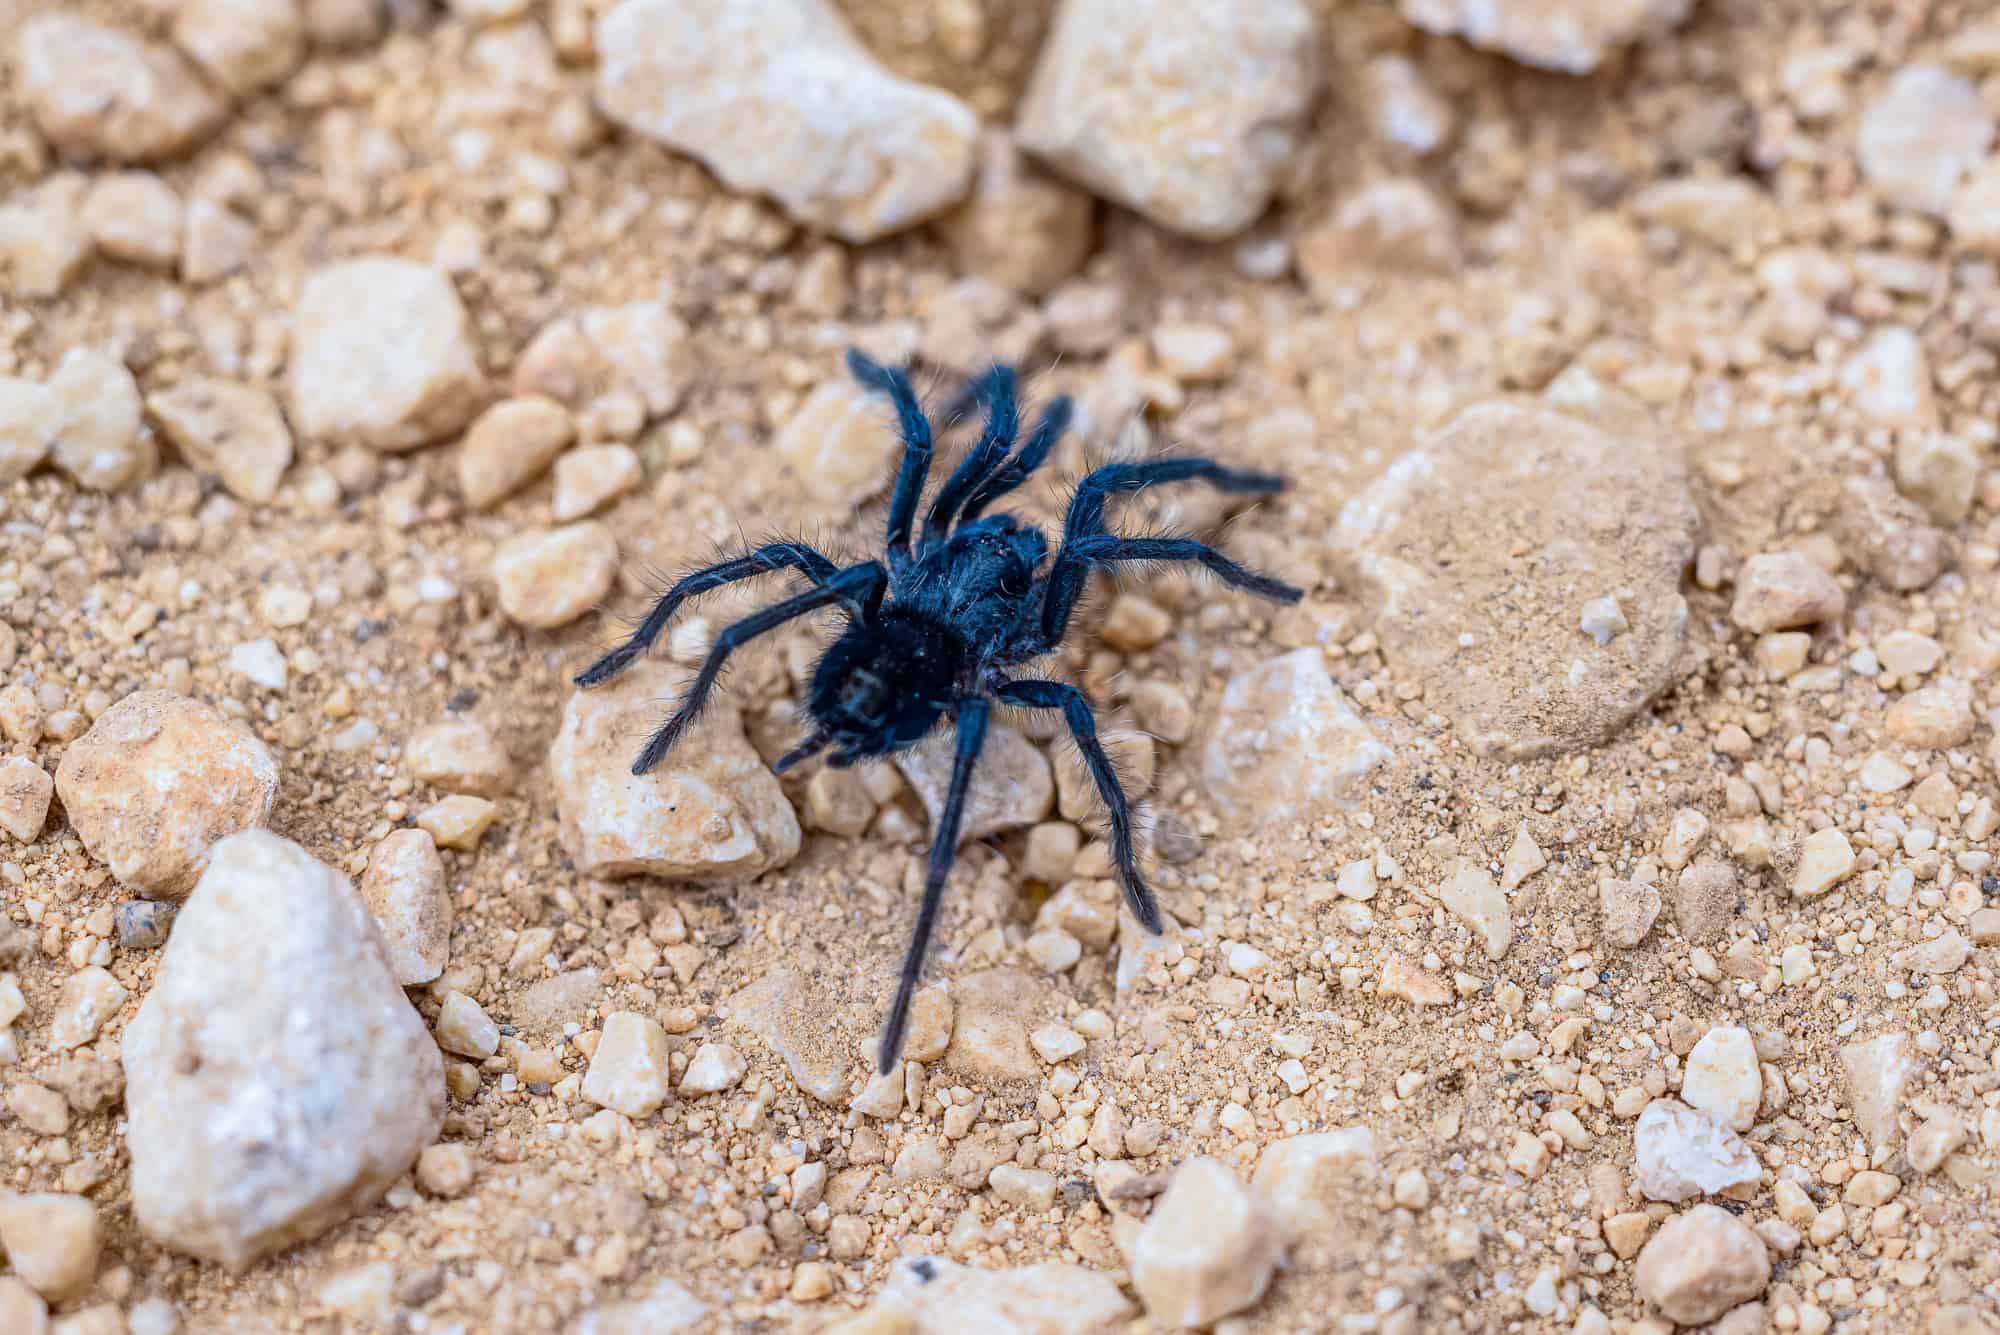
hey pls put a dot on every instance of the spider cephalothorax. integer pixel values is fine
(936, 625)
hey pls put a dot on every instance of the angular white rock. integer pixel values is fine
(382, 355)
(1683, 1152)
(778, 98)
(1472, 897)
(276, 1078)
(234, 431)
(712, 809)
(713, 1068)
(929, 1295)
(1183, 110)
(1285, 740)
(628, 1073)
(1921, 137)
(1208, 1249)
(98, 92)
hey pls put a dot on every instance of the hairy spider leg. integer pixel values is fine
(1048, 429)
(972, 715)
(861, 584)
(1086, 541)
(1076, 712)
(809, 746)
(995, 389)
(772, 556)
(915, 467)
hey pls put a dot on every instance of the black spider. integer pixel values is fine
(934, 630)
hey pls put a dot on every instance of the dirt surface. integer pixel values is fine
(1502, 1087)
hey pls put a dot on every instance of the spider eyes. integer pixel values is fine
(862, 694)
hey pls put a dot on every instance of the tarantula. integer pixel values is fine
(934, 627)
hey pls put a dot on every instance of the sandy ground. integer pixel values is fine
(1504, 1116)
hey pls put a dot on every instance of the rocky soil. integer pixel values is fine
(1583, 912)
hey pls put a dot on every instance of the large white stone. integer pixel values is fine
(1184, 110)
(276, 1078)
(778, 98)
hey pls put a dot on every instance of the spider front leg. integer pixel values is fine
(972, 716)
(860, 586)
(1076, 712)
(771, 556)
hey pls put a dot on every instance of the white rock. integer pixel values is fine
(276, 1078)
(1921, 136)
(1472, 897)
(30, 420)
(234, 431)
(1572, 36)
(1722, 1077)
(551, 577)
(591, 478)
(89, 998)
(1701, 1264)
(43, 242)
(1286, 740)
(464, 1027)
(929, 1295)
(1683, 1153)
(25, 790)
(1012, 785)
(510, 445)
(244, 45)
(1889, 379)
(1824, 858)
(460, 756)
(97, 92)
(882, 1097)
(134, 216)
(1311, 1183)
(261, 662)
(382, 355)
(404, 888)
(1780, 590)
(711, 810)
(1630, 909)
(713, 1068)
(52, 1241)
(604, 360)
(628, 1073)
(1184, 111)
(1432, 545)
(1879, 1071)
(841, 444)
(157, 780)
(1208, 1249)
(778, 98)
(102, 442)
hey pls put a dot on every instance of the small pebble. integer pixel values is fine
(591, 478)
(445, 1170)
(98, 92)
(1921, 136)
(460, 756)
(232, 430)
(25, 790)
(102, 442)
(459, 821)
(134, 216)
(1722, 1077)
(404, 888)
(1824, 858)
(550, 578)
(629, 1072)
(510, 445)
(143, 924)
(1780, 590)
(713, 1068)
(52, 1241)
(1700, 1264)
